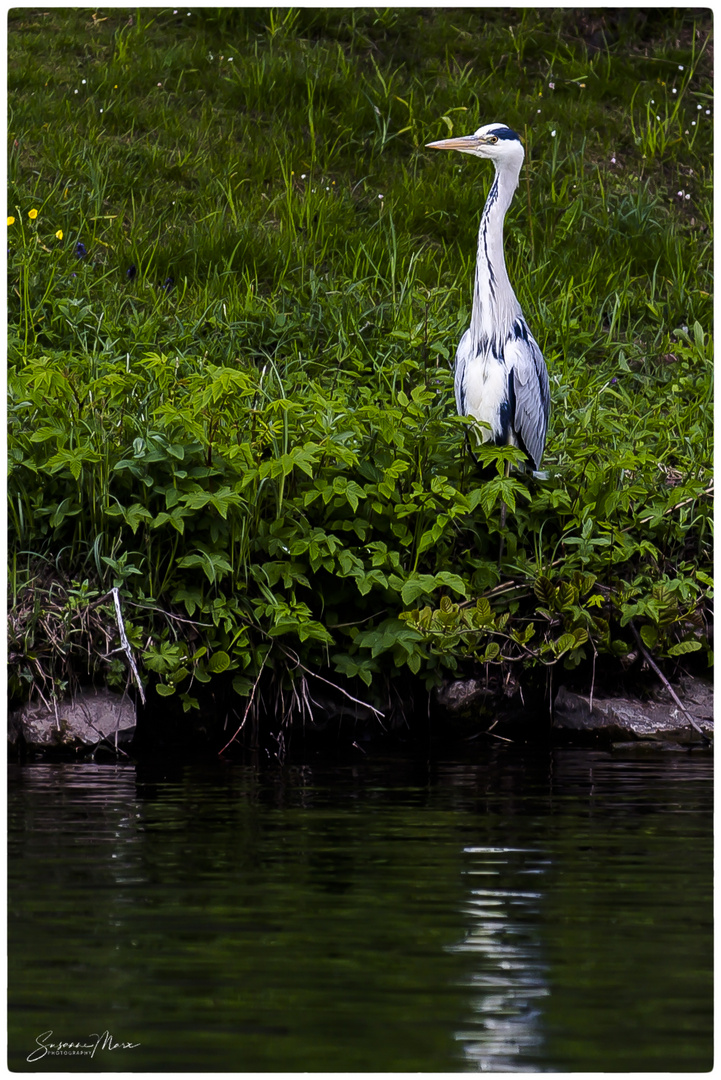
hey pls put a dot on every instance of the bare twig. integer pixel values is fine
(593, 676)
(345, 693)
(168, 614)
(124, 643)
(501, 737)
(654, 666)
(247, 708)
(676, 506)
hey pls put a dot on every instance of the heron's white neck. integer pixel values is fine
(495, 306)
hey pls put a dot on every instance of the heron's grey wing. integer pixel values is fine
(459, 382)
(532, 393)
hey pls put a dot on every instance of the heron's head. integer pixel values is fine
(494, 141)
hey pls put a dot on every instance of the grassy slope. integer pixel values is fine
(211, 397)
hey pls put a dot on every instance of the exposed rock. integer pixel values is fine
(624, 718)
(463, 694)
(91, 717)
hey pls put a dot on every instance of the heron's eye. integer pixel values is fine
(492, 139)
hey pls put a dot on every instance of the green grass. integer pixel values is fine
(234, 400)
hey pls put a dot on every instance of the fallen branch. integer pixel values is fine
(654, 666)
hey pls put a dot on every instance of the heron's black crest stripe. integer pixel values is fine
(505, 133)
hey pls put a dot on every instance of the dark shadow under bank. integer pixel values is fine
(476, 717)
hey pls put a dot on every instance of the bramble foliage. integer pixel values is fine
(230, 393)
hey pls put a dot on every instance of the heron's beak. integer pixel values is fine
(466, 143)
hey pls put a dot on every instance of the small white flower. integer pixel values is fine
(160, 84)
(380, 196)
(537, 110)
(652, 101)
(101, 110)
(680, 67)
(75, 91)
(693, 123)
(613, 161)
(230, 59)
(680, 194)
(699, 107)
(708, 112)
(688, 196)
(302, 176)
(658, 117)
(552, 86)
(553, 133)
(85, 80)
(674, 91)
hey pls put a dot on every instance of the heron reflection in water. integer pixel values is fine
(508, 976)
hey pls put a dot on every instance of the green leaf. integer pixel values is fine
(417, 585)
(564, 643)
(483, 612)
(453, 581)
(219, 661)
(566, 595)
(682, 647)
(545, 592)
(493, 651)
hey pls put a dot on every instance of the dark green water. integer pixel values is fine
(533, 912)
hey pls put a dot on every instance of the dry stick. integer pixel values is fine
(650, 661)
(247, 708)
(677, 506)
(315, 675)
(593, 679)
(125, 644)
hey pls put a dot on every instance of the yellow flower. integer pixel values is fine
(59, 234)
(11, 221)
(32, 214)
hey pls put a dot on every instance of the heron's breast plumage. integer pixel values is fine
(487, 396)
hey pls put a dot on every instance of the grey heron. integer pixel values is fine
(500, 374)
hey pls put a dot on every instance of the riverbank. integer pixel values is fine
(237, 281)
